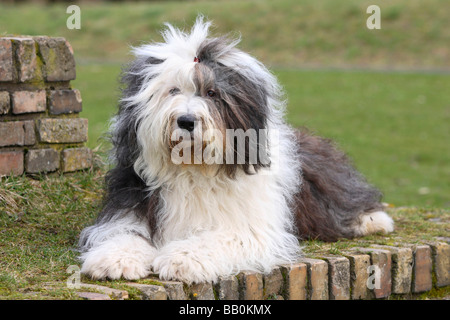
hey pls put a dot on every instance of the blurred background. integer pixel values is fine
(382, 95)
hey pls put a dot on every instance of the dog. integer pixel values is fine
(195, 218)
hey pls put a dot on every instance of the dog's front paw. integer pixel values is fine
(184, 266)
(129, 259)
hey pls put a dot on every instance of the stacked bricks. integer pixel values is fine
(375, 272)
(40, 127)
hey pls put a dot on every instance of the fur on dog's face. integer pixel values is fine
(196, 84)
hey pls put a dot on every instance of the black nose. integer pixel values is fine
(187, 122)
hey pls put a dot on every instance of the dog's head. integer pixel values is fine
(195, 100)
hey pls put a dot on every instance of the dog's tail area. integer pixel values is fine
(335, 200)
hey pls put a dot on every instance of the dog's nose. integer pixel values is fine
(187, 122)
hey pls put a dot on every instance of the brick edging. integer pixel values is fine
(403, 270)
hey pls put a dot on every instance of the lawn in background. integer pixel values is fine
(288, 33)
(393, 125)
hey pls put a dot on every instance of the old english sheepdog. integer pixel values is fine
(208, 178)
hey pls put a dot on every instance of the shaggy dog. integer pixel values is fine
(255, 188)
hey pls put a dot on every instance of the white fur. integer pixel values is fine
(209, 225)
(373, 222)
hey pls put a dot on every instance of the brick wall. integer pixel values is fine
(375, 272)
(40, 127)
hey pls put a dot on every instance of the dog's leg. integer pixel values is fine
(205, 257)
(374, 222)
(119, 248)
(197, 259)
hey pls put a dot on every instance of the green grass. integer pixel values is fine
(281, 33)
(393, 125)
(42, 217)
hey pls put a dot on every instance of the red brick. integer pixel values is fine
(251, 285)
(25, 51)
(30, 134)
(441, 261)
(382, 260)
(76, 159)
(57, 55)
(4, 102)
(339, 278)
(63, 130)
(201, 291)
(402, 261)
(64, 101)
(317, 278)
(359, 264)
(17, 133)
(29, 101)
(149, 291)
(11, 162)
(228, 288)
(422, 268)
(41, 160)
(6, 60)
(273, 284)
(296, 281)
(11, 133)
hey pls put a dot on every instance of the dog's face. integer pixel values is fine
(194, 98)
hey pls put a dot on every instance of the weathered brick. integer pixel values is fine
(41, 160)
(202, 291)
(29, 101)
(422, 268)
(174, 289)
(93, 296)
(12, 133)
(5, 102)
(441, 262)
(273, 284)
(74, 159)
(251, 286)
(296, 281)
(227, 288)
(11, 162)
(318, 279)
(402, 261)
(338, 278)
(57, 55)
(359, 264)
(25, 53)
(17, 133)
(62, 130)
(382, 261)
(149, 291)
(64, 101)
(29, 133)
(117, 294)
(6, 60)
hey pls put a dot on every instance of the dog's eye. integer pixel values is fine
(174, 91)
(211, 93)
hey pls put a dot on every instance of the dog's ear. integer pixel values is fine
(125, 123)
(124, 188)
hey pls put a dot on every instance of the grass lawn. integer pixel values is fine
(42, 218)
(393, 125)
